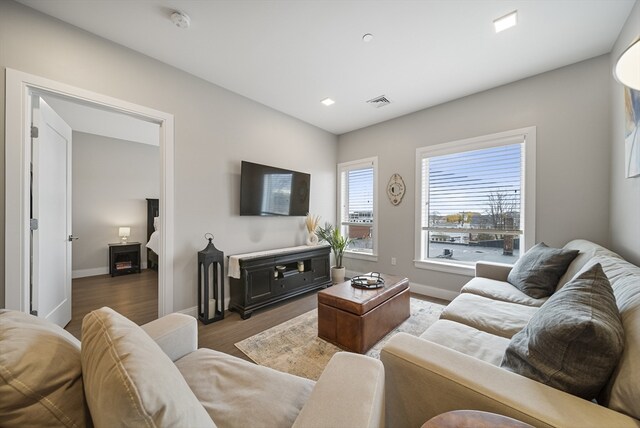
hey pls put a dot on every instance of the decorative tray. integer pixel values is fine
(368, 281)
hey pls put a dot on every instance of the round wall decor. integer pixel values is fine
(395, 189)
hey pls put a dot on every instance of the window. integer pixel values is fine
(475, 200)
(357, 210)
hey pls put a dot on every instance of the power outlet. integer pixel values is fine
(393, 261)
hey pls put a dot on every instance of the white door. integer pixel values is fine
(51, 207)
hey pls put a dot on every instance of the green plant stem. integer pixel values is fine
(338, 243)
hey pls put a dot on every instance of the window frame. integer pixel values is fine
(528, 180)
(352, 165)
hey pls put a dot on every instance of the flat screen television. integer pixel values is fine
(270, 191)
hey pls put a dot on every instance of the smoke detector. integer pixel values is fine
(180, 19)
(380, 101)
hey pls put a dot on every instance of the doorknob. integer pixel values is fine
(72, 238)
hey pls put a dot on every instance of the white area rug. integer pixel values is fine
(294, 346)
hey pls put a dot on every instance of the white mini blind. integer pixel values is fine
(357, 191)
(357, 205)
(477, 191)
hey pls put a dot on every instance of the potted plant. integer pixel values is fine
(338, 244)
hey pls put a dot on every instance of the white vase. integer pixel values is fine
(312, 239)
(337, 274)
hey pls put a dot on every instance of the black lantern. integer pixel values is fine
(210, 283)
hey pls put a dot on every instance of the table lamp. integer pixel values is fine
(124, 233)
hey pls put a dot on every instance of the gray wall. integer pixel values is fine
(625, 192)
(569, 107)
(111, 180)
(214, 130)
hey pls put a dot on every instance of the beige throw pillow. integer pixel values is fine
(129, 381)
(40, 374)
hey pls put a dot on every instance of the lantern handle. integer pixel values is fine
(210, 239)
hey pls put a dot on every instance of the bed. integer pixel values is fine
(153, 227)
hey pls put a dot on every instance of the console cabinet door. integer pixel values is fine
(320, 268)
(260, 285)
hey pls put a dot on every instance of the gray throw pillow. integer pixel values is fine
(537, 272)
(574, 341)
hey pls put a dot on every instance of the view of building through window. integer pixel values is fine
(357, 207)
(472, 204)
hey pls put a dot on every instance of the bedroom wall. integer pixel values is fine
(111, 180)
(214, 130)
(625, 192)
(570, 108)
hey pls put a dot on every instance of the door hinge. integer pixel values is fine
(34, 132)
(33, 224)
(34, 313)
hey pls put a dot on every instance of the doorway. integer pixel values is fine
(19, 88)
(115, 168)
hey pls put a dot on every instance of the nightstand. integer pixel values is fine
(124, 258)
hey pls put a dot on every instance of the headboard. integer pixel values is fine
(153, 210)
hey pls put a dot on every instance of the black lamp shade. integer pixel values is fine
(210, 284)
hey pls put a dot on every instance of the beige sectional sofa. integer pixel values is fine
(124, 375)
(455, 364)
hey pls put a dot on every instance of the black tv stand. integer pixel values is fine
(261, 284)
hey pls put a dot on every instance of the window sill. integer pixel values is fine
(360, 256)
(447, 267)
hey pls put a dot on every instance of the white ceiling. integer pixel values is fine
(291, 54)
(97, 121)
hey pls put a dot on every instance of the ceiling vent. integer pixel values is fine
(380, 101)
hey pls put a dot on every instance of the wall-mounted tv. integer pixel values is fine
(270, 191)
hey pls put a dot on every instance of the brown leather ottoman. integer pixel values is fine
(356, 319)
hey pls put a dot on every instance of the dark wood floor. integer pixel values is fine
(222, 335)
(136, 297)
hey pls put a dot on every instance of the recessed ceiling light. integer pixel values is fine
(327, 101)
(367, 37)
(181, 19)
(507, 21)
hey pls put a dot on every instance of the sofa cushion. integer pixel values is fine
(537, 272)
(574, 342)
(40, 374)
(129, 381)
(587, 251)
(237, 393)
(623, 391)
(500, 290)
(468, 340)
(492, 316)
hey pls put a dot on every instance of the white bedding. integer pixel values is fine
(154, 242)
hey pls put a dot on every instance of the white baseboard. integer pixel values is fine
(193, 311)
(425, 290)
(438, 293)
(81, 273)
